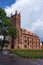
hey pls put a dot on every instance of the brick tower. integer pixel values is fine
(15, 20)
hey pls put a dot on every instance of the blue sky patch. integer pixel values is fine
(4, 3)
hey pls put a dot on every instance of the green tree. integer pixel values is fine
(4, 17)
(7, 29)
(13, 33)
(2, 13)
(5, 23)
(4, 32)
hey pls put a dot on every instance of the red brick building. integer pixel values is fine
(26, 39)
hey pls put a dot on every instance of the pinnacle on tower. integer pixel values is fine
(16, 12)
(11, 14)
(19, 13)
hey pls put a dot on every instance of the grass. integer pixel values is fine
(28, 53)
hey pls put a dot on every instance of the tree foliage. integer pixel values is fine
(7, 28)
(13, 32)
(2, 13)
(4, 17)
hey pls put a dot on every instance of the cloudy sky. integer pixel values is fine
(31, 13)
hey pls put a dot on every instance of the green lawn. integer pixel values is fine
(28, 53)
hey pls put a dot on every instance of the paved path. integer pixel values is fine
(9, 59)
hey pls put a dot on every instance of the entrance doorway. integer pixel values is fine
(12, 46)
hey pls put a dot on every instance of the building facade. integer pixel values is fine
(26, 39)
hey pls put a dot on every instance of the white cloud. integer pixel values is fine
(37, 24)
(31, 13)
(15, 6)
